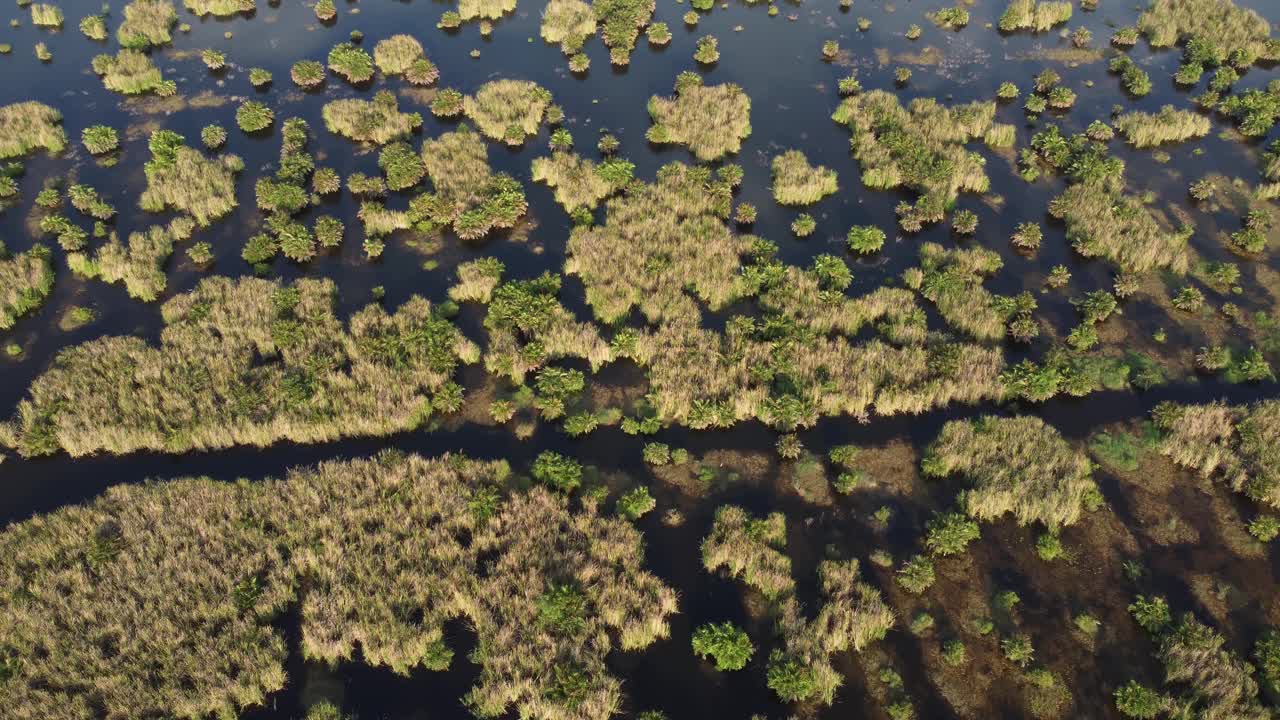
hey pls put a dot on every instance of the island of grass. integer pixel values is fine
(579, 182)
(711, 120)
(219, 8)
(248, 362)
(376, 121)
(797, 183)
(1036, 15)
(147, 23)
(141, 587)
(920, 147)
(1018, 465)
(26, 279)
(1220, 25)
(568, 23)
(132, 72)
(1144, 130)
(1237, 445)
(508, 110)
(28, 126)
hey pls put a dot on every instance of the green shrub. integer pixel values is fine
(1152, 615)
(100, 139)
(636, 502)
(1138, 701)
(726, 643)
(950, 534)
(253, 116)
(916, 575)
(865, 239)
(556, 470)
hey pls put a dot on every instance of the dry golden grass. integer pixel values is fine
(952, 280)
(25, 282)
(580, 182)
(1238, 445)
(796, 182)
(920, 147)
(246, 362)
(1220, 22)
(711, 120)
(220, 8)
(568, 23)
(26, 126)
(373, 121)
(1019, 465)
(468, 197)
(1144, 130)
(484, 9)
(139, 263)
(132, 72)
(1038, 16)
(660, 239)
(507, 110)
(202, 187)
(1103, 221)
(396, 54)
(1219, 682)
(118, 606)
(146, 23)
(750, 549)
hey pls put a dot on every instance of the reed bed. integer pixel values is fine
(796, 182)
(147, 23)
(1237, 445)
(711, 120)
(220, 8)
(26, 279)
(1144, 130)
(579, 182)
(27, 126)
(377, 121)
(508, 110)
(1221, 23)
(568, 23)
(1037, 16)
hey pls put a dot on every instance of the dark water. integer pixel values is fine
(776, 60)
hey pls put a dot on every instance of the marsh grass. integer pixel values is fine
(351, 62)
(750, 549)
(44, 15)
(1237, 445)
(26, 279)
(132, 72)
(711, 120)
(1220, 24)
(185, 180)
(147, 23)
(318, 380)
(396, 54)
(468, 197)
(376, 121)
(620, 23)
(568, 23)
(952, 280)
(796, 182)
(920, 147)
(508, 110)
(1035, 15)
(198, 567)
(1019, 465)
(27, 126)
(1144, 130)
(219, 8)
(579, 182)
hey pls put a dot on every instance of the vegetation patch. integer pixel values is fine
(1019, 465)
(151, 580)
(579, 182)
(220, 8)
(620, 23)
(28, 126)
(1035, 15)
(26, 279)
(1144, 130)
(183, 179)
(1220, 24)
(920, 147)
(131, 72)
(1238, 445)
(147, 23)
(568, 23)
(508, 110)
(204, 386)
(469, 198)
(711, 120)
(376, 121)
(796, 182)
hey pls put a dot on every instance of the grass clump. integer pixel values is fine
(131, 72)
(219, 8)
(796, 182)
(508, 110)
(920, 146)
(1219, 27)
(711, 120)
(100, 139)
(26, 279)
(379, 374)
(750, 549)
(44, 15)
(199, 567)
(182, 179)
(351, 62)
(1234, 444)
(27, 126)
(1019, 465)
(726, 643)
(468, 197)
(1144, 130)
(397, 54)
(484, 9)
(253, 116)
(952, 281)
(147, 23)
(620, 23)
(1034, 15)
(94, 27)
(952, 18)
(579, 182)
(675, 224)
(568, 23)
(307, 74)
(376, 121)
